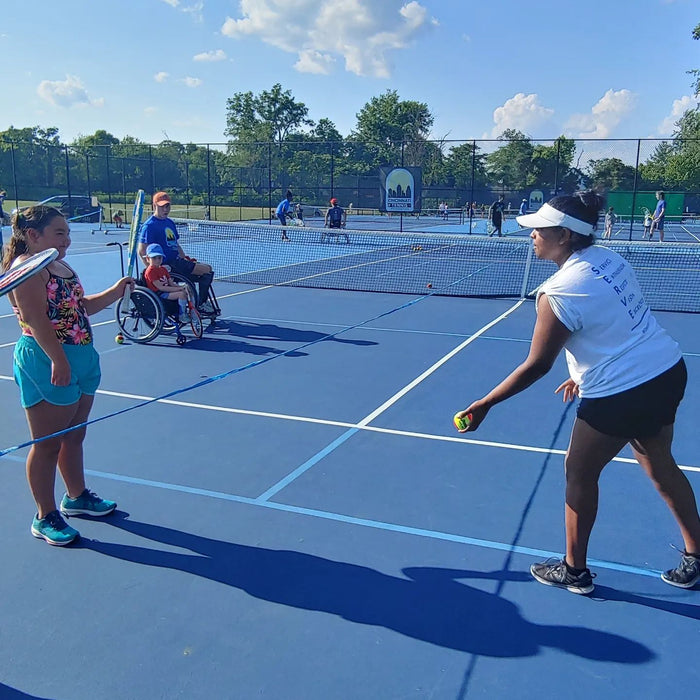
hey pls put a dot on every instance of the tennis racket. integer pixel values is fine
(24, 270)
(133, 243)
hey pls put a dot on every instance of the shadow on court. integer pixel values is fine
(223, 344)
(431, 604)
(270, 331)
(7, 693)
(603, 594)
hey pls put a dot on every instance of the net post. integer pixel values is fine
(526, 272)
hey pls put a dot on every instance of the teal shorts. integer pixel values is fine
(32, 370)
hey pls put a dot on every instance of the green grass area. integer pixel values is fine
(196, 211)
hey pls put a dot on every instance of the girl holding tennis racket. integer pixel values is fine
(56, 368)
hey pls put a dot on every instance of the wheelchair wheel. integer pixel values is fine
(141, 320)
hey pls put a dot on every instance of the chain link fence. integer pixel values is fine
(245, 181)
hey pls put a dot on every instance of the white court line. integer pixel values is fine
(359, 426)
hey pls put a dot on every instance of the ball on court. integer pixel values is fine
(119, 338)
(462, 423)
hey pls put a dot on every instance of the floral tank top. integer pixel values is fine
(65, 309)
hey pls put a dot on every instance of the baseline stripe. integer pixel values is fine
(365, 522)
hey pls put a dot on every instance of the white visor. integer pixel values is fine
(547, 216)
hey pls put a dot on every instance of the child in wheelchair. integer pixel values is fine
(158, 280)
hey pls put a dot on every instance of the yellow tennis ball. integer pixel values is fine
(462, 423)
(119, 338)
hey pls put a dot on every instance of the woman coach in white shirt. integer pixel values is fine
(626, 369)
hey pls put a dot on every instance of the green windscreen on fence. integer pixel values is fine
(418, 263)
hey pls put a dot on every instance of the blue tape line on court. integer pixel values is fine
(229, 373)
(363, 522)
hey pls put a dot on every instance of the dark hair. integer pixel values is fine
(289, 194)
(661, 194)
(585, 206)
(38, 218)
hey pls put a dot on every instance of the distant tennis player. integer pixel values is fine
(283, 209)
(496, 215)
(658, 217)
(335, 219)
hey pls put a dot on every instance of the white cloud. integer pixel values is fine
(191, 82)
(605, 115)
(161, 77)
(210, 56)
(66, 93)
(522, 112)
(311, 61)
(196, 10)
(148, 111)
(361, 32)
(680, 107)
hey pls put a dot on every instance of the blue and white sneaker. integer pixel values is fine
(54, 529)
(88, 503)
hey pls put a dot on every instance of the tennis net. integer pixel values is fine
(419, 263)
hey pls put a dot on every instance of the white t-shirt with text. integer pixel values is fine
(616, 342)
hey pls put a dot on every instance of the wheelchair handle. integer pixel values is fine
(121, 257)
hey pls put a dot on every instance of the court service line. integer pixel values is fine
(362, 522)
(276, 488)
(353, 426)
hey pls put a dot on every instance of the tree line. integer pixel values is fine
(271, 143)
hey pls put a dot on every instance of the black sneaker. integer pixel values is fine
(555, 572)
(686, 574)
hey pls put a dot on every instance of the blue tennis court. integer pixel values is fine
(298, 517)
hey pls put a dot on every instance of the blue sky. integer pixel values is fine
(157, 68)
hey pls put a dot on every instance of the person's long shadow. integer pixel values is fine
(271, 331)
(430, 604)
(8, 693)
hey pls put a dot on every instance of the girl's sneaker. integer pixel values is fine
(54, 529)
(88, 503)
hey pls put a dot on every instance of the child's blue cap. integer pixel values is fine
(153, 250)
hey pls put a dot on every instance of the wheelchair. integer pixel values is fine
(145, 315)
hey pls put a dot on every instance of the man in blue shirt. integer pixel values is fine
(523, 208)
(657, 218)
(160, 228)
(282, 210)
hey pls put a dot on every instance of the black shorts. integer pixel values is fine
(182, 266)
(641, 411)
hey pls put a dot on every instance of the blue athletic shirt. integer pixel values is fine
(660, 210)
(283, 207)
(164, 233)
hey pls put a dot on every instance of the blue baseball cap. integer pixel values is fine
(153, 250)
